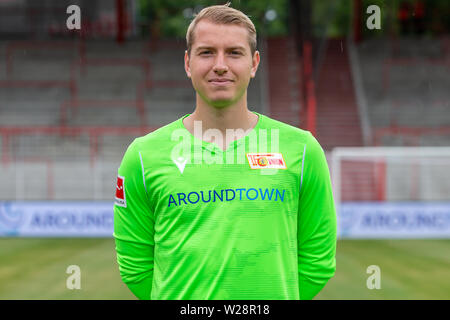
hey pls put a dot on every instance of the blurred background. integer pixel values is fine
(370, 80)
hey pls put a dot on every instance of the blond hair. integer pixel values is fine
(222, 14)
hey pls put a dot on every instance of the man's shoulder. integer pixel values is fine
(159, 135)
(155, 142)
(287, 130)
(294, 137)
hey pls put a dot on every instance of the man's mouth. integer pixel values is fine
(220, 81)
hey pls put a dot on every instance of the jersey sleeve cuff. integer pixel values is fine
(142, 289)
(308, 289)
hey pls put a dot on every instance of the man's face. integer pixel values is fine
(220, 64)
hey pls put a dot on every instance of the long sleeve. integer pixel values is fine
(316, 223)
(134, 225)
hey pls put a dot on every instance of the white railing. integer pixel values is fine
(58, 180)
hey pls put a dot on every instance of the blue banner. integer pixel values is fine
(359, 220)
(394, 220)
(56, 219)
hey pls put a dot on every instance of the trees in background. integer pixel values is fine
(170, 18)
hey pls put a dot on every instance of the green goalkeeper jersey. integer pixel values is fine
(254, 221)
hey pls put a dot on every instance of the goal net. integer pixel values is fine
(392, 192)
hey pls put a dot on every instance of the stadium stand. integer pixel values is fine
(338, 119)
(408, 95)
(69, 104)
(404, 86)
(65, 107)
(284, 81)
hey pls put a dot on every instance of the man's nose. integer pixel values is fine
(220, 65)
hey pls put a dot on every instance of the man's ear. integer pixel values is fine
(186, 64)
(255, 63)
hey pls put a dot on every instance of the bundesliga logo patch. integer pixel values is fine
(266, 161)
(120, 192)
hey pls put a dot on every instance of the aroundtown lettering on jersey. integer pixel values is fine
(226, 195)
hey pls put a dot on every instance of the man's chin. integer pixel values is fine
(220, 103)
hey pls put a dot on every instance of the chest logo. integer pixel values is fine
(181, 163)
(266, 161)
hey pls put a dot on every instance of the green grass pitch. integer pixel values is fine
(35, 268)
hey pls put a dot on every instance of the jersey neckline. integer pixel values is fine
(213, 146)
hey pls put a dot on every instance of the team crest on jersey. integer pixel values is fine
(266, 161)
(120, 192)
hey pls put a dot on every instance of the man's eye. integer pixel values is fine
(235, 52)
(205, 52)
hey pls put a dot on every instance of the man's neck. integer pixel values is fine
(234, 117)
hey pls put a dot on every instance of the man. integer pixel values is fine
(240, 217)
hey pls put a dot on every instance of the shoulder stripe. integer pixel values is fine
(142, 167)
(303, 164)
